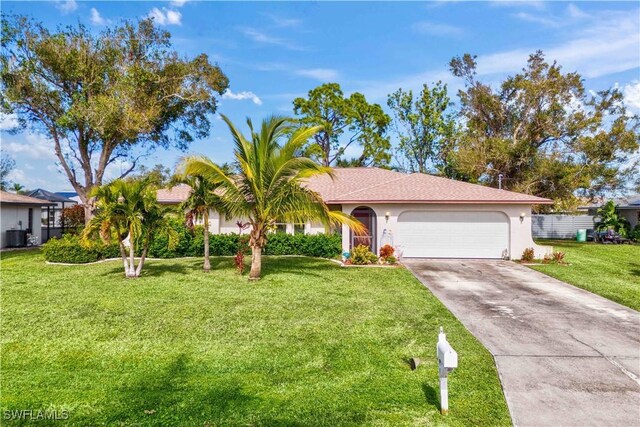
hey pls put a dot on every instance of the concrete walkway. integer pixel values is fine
(566, 357)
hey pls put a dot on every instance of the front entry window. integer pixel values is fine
(367, 217)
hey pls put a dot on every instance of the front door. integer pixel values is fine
(367, 217)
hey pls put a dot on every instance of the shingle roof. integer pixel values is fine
(374, 185)
(177, 194)
(48, 195)
(360, 185)
(19, 199)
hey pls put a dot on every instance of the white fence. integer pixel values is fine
(559, 226)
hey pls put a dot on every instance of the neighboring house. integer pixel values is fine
(71, 195)
(628, 207)
(51, 216)
(421, 215)
(19, 217)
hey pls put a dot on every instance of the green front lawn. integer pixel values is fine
(612, 271)
(310, 344)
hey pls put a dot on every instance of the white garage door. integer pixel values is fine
(452, 234)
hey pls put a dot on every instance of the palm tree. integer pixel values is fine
(269, 185)
(610, 219)
(129, 208)
(200, 201)
(17, 188)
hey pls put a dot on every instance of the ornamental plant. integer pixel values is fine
(386, 251)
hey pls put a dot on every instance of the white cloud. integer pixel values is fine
(519, 3)
(575, 12)
(17, 175)
(165, 16)
(609, 45)
(548, 22)
(66, 6)
(322, 74)
(34, 146)
(8, 121)
(239, 96)
(282, 22)
(262, 37)
(116, 169)
(436, 29)
(631, 93)
(97, 19)
(178, 3)
(604, 44)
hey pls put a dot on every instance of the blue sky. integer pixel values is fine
(274, 52)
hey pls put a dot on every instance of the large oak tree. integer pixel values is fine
(545, 133)
(103, 97)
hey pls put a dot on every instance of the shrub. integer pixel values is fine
(191, 244)
(72, 219)
(361, 255)
(635, 233)
(391, 259)
(243, 248)
(314, 245)
(70, 249)
(386, 251)
(527, 255)
(558, 257)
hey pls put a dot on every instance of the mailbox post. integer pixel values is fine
(447, 362)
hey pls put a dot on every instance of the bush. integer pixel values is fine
(70, 249)
(635, 233)
(386, 251)
(314, 245)
(391, 259)
(361, 255)
(558, 257)
(527, 255)
(191, 244)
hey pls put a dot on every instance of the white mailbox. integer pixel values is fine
(447, 356)
(447, 362)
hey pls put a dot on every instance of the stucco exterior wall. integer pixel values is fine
(218, 224)
(519, 230)
(10, 215)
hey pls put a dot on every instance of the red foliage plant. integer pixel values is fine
(243, 248)
(72, 218)
(386, 251)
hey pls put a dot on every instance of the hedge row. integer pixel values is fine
(70, 249)
(191, 243)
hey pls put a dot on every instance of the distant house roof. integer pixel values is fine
(48, 195)
(174, 195)
(374, 185)
(19, 199)
(67, 194)
(631, 202)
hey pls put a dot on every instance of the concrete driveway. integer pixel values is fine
(566, 357)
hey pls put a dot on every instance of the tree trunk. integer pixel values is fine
(132, 260)
(256, 263)
(123, 253)
(207, 262)
(88, 206)
(143, 256)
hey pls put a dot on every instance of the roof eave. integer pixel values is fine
(460, 202)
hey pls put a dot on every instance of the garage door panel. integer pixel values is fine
(453, 234)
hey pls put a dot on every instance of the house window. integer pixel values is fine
(298, 228)
(280, 227)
